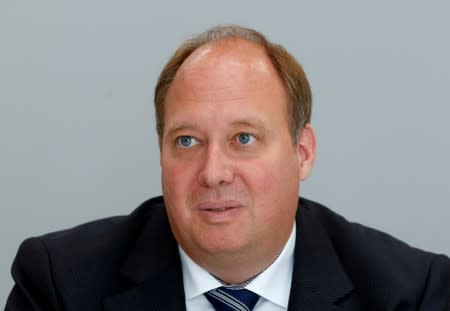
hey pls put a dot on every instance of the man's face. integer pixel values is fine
(230, 171)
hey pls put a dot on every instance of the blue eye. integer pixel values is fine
(245, 138)
(186, 141)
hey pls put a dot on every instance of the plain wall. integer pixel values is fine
(77, 138)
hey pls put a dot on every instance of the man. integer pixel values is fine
(230, 233)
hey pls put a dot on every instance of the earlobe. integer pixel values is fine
(306, 149)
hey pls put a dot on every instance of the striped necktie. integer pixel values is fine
(229, 299)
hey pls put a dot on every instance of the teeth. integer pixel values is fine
(220, 209)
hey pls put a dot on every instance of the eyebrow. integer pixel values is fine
(238, 123)
(249, 123)
(180, 127)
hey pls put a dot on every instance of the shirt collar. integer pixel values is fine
(196, 280)
(273, 284)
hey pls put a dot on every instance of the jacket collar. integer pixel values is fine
(319, 280)
(153, 267)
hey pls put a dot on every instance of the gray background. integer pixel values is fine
(77, 139)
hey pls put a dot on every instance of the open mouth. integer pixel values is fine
(220, 209)
(218, 206)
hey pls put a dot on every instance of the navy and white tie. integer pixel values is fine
(229, 299)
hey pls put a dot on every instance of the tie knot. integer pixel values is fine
(229, 299)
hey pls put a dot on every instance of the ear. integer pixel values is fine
(306, 150)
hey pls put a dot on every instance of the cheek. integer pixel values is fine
(180, 186)
(274, 186)
(267, 179)
(175, 180)
(175, 170)
(175, 187)
(261, 180)
(268, 176)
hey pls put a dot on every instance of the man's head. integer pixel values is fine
(230, 172)
(287, 67)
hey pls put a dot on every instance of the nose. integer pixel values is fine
(216, 168)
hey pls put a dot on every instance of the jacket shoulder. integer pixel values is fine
(93, 238)
(382, 265)
(83, 261)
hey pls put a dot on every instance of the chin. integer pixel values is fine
(222, 246)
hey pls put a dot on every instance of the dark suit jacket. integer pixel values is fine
(131, 263)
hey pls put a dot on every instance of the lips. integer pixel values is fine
(220, 209)
(219, 206)
(219, 212)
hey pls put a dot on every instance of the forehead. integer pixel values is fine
(225, 78)
(228, 52)
(229, 57)
(225, 68)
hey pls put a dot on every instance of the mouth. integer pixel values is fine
(219, 212)
(219, 209)
(219, 206)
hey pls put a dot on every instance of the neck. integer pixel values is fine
(230, 275)
(237, 285)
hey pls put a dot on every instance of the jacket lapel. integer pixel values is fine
(153, 269)
(319, 281)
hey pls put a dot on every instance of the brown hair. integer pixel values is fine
(289, 70)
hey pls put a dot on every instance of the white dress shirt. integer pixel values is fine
(272, 285)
